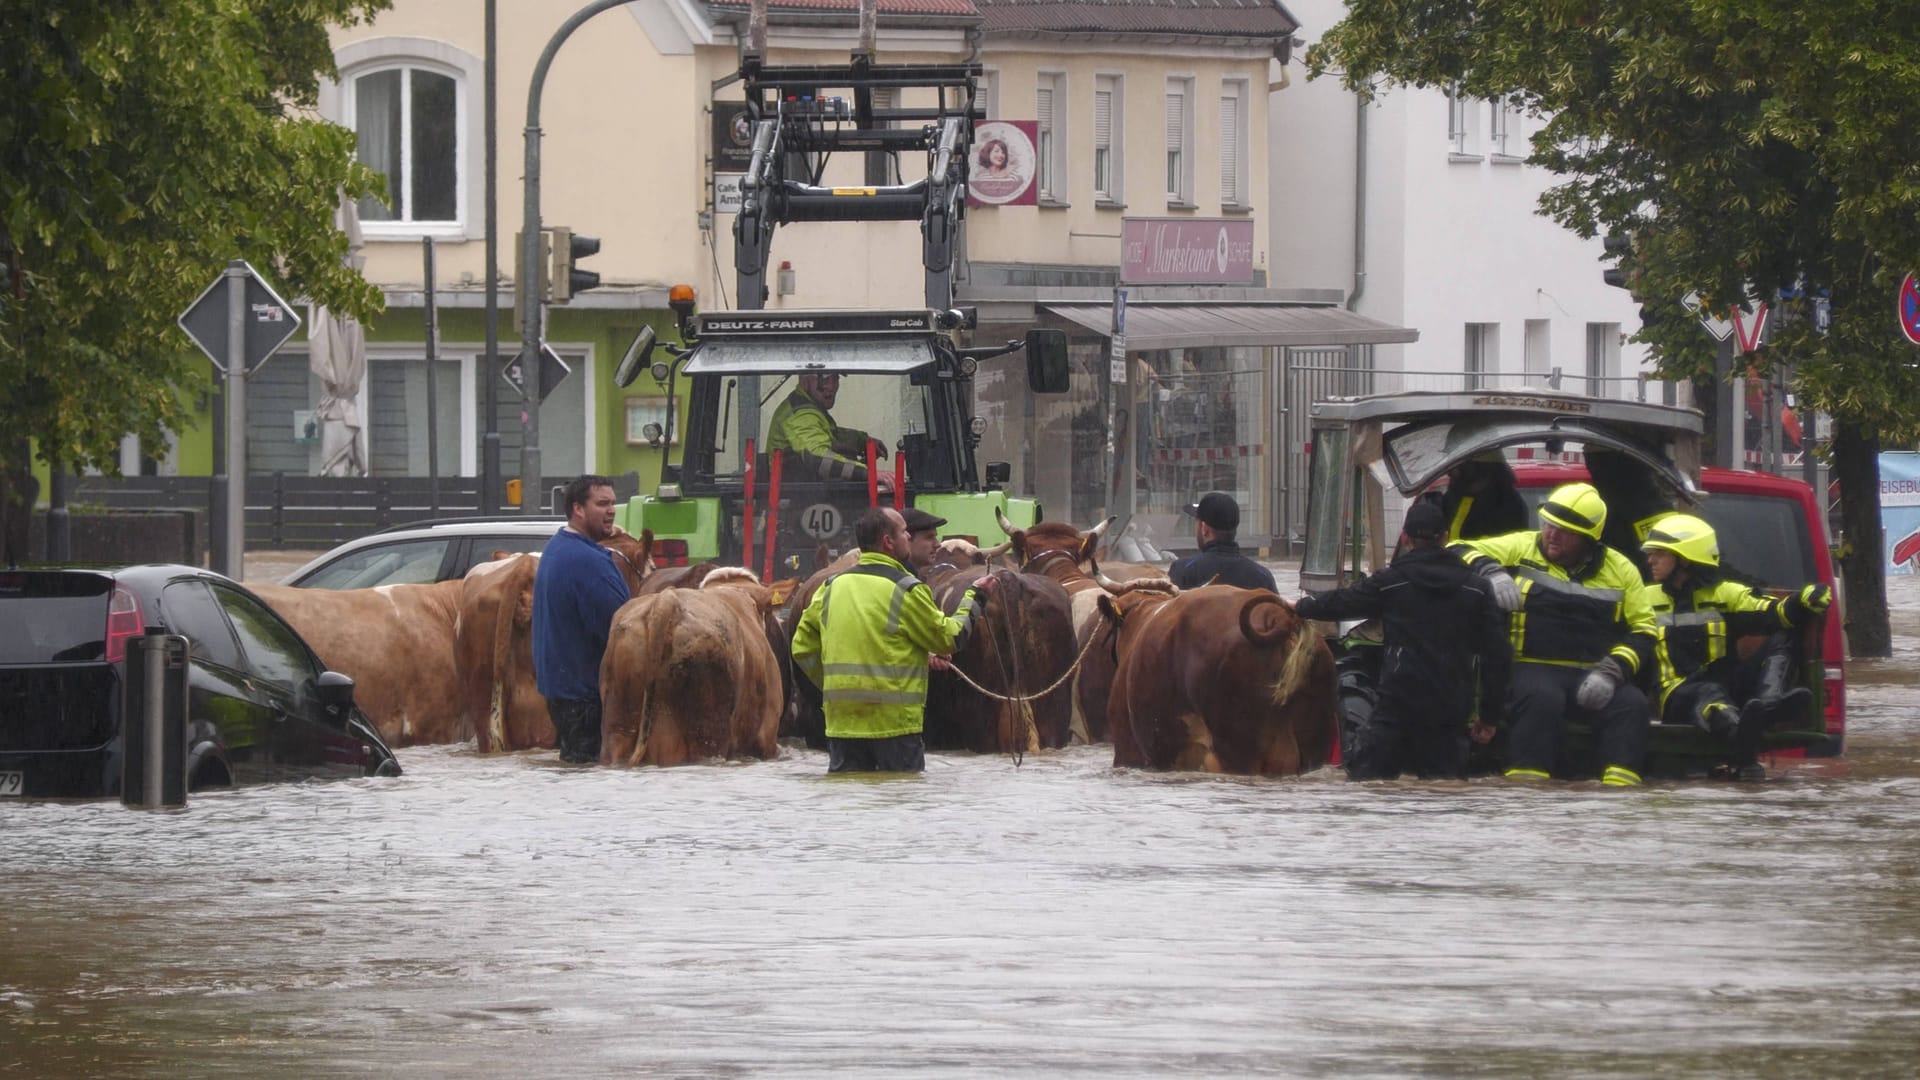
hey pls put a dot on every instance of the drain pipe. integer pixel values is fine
(1359, 202)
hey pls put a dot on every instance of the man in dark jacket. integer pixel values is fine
(1217, 517)
(1482, 500)
(576, 590)
(1438, 618)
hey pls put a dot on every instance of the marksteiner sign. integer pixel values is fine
(1186, 251)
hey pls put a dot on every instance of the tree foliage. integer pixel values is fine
(1744, 146)
(143, 143)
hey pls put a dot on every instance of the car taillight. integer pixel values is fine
(669, 553)
(1836, 700)
(123, 622)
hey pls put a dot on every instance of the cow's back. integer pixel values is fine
(689, 675)
(396, 642)
(499, 695)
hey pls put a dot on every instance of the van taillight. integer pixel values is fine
(1835, 696)
(123, 622)
(669, 553)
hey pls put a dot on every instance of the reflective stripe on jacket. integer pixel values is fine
(1694, 627)
(864, 641)
(1570, 618)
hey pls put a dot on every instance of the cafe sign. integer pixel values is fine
(1186, 251)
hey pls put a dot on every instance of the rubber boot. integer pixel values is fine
(1717, 718)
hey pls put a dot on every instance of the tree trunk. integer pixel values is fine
(1863, 559)
(18, 491)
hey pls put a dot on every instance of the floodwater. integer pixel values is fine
(509, 916)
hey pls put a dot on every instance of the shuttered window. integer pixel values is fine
(1106, 125)
(1047, 131)
(1233, 150)
(883, 168)
(1176, 140)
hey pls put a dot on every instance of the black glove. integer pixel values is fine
(1603, 678)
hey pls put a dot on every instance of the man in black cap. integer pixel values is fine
(923, 539)
(1438, 617)
(1220, 561)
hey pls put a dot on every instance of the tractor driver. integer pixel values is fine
(804, 423)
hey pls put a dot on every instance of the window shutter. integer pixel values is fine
(1103, 118)
(1043, 108)
(1230, 149)
(1176, 120)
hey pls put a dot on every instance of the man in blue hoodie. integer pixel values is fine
(575, 593)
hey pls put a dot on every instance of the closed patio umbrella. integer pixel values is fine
(337, 353)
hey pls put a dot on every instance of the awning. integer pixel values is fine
(788, 356)
(1175, 326)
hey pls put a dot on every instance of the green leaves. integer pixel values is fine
(143, 143)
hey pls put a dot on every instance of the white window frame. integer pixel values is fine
(1482, 354)
(1498, 128)
(1178, 174)
(1112, 141)
(1052, 137)
(1603, 357)
(336, 104)
(987, 95)
(1460, 129)
(1236, 96)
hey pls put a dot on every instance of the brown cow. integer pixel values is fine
(689, 675)
(397, 643)
(1218, 679)
(1058, 550)
(1019, 645)
(499, 694)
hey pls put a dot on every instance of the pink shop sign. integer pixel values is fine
(1186, 251)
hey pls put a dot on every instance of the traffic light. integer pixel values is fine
(1618, 245)
(568, 249)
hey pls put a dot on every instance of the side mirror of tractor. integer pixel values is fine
(639, 355)
(1047, 368)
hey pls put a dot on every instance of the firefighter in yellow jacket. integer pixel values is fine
(1700, 613)
(865, 640)
(1579, 626)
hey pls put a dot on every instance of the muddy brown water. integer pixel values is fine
(508, 916)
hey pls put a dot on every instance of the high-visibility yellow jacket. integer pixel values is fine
(1696, 624)
(1570, 618)
(801, 424)
(864, 641)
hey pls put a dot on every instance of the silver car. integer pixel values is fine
(424, 552)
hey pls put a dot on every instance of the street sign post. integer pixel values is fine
(552, 371)
(238, 327)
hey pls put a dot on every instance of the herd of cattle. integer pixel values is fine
(698, 665)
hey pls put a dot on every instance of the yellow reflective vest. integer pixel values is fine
(800, 424)
(1570, 618)
(1695, 626)
(864, 641)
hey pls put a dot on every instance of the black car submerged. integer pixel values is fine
(258, 707)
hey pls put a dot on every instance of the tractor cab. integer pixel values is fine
(737, 494)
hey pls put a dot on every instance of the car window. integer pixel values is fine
(1762, 537)
(480, 549)
(403, 562)
(188, 608)
(273, 650)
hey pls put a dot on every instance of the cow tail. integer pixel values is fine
(653, 664)
(1294, 670)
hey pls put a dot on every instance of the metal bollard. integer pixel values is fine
(153, 729)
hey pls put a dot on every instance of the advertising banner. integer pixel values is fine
(1186, 251)
(731, 151)
(1900, 510)
(1003, 169)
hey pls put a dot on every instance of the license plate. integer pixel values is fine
(12, 783)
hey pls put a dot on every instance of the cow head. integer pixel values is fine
(633, 557)
(1050, 539)
(1123, 598)
(959, 551)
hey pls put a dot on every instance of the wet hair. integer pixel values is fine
(579, 490)
(986, 152)
(872, 526)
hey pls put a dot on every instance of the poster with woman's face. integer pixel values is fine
(1003, 164)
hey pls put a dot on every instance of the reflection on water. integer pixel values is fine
(510, 917)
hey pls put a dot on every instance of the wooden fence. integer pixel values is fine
(309, 512)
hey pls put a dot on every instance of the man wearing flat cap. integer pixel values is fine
(1440, 622)
(923, 539)
(1217, 517)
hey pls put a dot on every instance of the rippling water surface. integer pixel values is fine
(509, 916)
